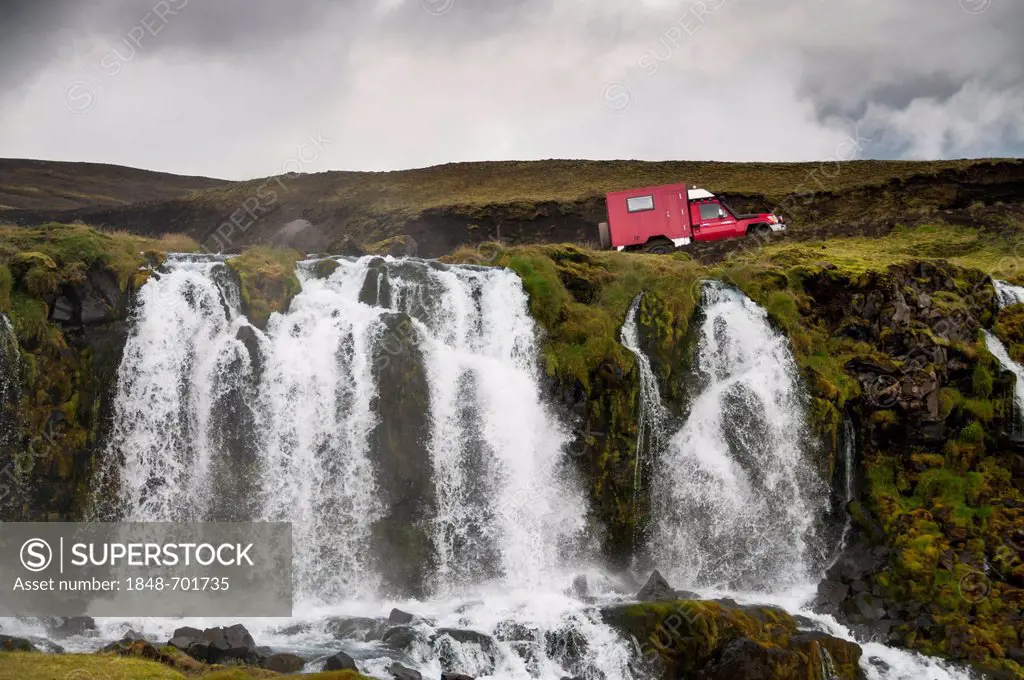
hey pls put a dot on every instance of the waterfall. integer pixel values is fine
(736, 499)
(731, 470)
(304, 395)
(181, 339)
(652, 415)
(505, 504)
(215, 418)
(1007, 293)
(10, 395)
(998, 350)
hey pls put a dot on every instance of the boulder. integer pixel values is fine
(443, 643)
(16, 644)
(340, 661)
(232, 644)
(401, 638)
(72, 625)
(284, 663)
(400, 672)
(656, 589)
(456, 676)
(360, 628)
(398, 617)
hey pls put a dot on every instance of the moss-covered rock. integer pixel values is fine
(718, 640)
(267, 281)
(66, 290)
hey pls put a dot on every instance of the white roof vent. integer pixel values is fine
(695, 194)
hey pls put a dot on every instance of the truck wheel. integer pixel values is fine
(604, 236)
(659, 247)
(762, 231)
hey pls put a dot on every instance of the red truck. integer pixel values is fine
(662, 218)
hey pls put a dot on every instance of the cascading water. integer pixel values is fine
(505, 506)
(182, 338)
(506, 515)
(736, 500)
(652, 414)
(10, 393)
(736, 475)
(1007, 293)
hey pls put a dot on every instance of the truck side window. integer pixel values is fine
(639, 203)
(710, 211)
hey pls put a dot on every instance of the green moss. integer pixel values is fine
(684, 636)
(267, 281)
(324, 268)
(981, 381)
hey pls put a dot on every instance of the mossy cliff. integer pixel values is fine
(66, 290)
(934, 565)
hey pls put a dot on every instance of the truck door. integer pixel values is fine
(673, 205)
(715, 222)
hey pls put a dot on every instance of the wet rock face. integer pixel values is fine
(398, 447)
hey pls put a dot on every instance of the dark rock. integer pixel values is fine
(579, 586)
(831, 594)
(445, 638)
(340, 661)
(567, 647)
(456, 676)
(359, 628)
(400, 672)
(398, 617)
(402, 637)
(73, 625)
(283, 663)
(656, 589)
(63, 310)
(187, 632)
(508, 631)
(95, 310)
(402, 549)
(16, 644)
(183, 642)
(864, 607)
(217, 645)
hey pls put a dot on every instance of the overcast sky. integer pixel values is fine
(247, 88)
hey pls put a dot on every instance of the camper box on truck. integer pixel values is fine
(662, 218)
(654, 219)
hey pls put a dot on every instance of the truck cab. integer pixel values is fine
(662, 218)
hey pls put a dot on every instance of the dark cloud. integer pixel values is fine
(232, 87)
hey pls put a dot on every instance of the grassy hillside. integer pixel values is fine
(51, 186)
(441, 208)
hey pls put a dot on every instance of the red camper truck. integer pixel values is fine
(662, 218)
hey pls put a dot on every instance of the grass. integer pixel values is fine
(37, 666)
(74, 248)
(988, 251)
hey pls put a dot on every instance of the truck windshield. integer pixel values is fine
(728, 208)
